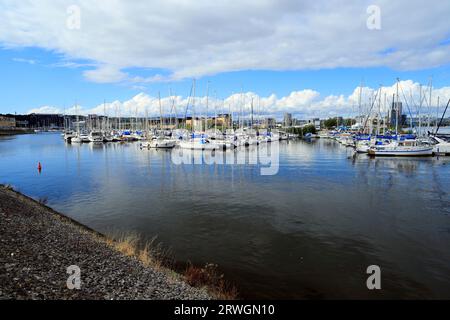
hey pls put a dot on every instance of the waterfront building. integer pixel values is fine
(316, 123)
(396, 114)
(7, 122)
(288, 119)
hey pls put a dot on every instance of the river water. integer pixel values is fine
(309, 231)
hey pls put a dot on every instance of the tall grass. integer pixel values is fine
(153, 254)
(43, 200)
(7, 187)
(210, 278)
(150, 253)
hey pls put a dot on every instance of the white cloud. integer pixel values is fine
(29, 61)
(105, 74)
(45, 110)
(303, 103)
(197, 38)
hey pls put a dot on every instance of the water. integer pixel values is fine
(308, 232)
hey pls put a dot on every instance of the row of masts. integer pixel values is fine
(380, 112)
(235, 112)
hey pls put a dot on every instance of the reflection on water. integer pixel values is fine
(308, 232)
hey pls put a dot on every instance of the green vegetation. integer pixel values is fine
(152, 254)
(310, 128)
(333, 122)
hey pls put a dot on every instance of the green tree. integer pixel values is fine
(330, 123)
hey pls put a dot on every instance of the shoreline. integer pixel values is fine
(38, 244)
(15, 131)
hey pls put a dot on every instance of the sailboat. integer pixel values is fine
(77, 138)
(95, 136)
(401, 147)
(363, 144)
(441, 146)
(161, 141)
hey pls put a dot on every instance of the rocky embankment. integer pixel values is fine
(37, 245)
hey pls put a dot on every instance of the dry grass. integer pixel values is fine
(152, 254)
(8, 187)
(43, 200)
(155, 255)
(127, 244)
(210, 278)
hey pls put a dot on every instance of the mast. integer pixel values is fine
(207, 105)
(146, 122)
(215, 112)
(379, 111)
(251, 123)
(385, 108)
(160, 111)
(420, 107)
(437, 113)
(429, 103)
(443, 115)
(223, 116)
(240, 109)
(359, 104)
(78, 118)
(193, 108)
(104, 113)
(396, 111)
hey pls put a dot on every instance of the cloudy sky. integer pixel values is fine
(308, 58)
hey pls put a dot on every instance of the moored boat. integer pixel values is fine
(405, 148)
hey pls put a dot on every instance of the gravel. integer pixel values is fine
(37, 245)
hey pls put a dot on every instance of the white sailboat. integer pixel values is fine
(405, 148)
(440, 146)
(160, 143)
(363, 146)
(399, 147)
(95, 136)
(69, 135)
(77, 138)
(199, 144)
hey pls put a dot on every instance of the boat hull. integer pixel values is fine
(442, 150)
(162, 144)
(423, 152)
(199, 146)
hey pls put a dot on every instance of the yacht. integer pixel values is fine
(76, 139)
(199, 144)
(68, 135)
(95, 136)
(363, 146)
(440, 145)
(160, 143)
(401, 148)
(107, 137)
(84, 137)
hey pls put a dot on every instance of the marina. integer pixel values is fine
(388, 211)
(238, 159)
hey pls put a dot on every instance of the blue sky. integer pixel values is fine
(36, 72)
(290, 58)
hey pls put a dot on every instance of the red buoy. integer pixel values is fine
(39, 167)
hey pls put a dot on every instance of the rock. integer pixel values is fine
(39, 245)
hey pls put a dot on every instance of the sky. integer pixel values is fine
(309, 58)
